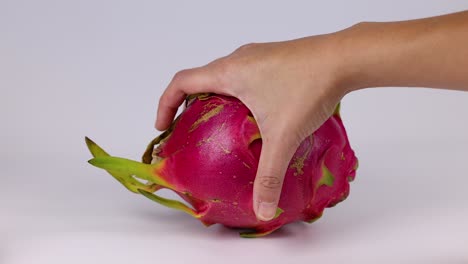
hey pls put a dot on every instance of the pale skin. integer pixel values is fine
(314, 74)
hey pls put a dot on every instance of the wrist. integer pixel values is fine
(330, 57)
(358, 56)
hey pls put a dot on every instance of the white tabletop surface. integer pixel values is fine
(404, 208)
(70, 69)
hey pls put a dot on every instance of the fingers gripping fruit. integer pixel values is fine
(209, 157)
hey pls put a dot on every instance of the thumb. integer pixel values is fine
(274, 160)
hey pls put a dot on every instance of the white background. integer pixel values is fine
(96, 68)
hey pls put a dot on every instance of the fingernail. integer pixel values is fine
(266, 211)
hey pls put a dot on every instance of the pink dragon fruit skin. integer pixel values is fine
(209, 157)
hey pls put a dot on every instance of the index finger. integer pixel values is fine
(185, 82)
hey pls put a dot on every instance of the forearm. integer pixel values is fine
(430, 52)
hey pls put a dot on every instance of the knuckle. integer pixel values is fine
(225, 68)
(270, 182)
(179, 75)
(246, 46)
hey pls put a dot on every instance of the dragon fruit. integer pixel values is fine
(209, 157)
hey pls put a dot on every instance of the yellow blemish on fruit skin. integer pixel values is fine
(298, 164)
(206, 116)
(205, 140)
(201, 142)
(227, 151)
(210, 138)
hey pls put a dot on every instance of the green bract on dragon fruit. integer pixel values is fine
(209, 157)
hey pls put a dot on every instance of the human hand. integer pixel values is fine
(291, 88)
